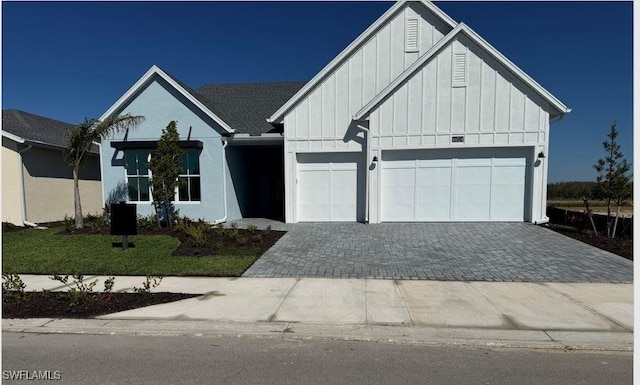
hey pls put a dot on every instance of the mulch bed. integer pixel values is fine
(59, 305)
(217, 240)
(620, 246)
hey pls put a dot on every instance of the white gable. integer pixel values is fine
(327, 108)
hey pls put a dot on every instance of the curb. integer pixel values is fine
(412, 335)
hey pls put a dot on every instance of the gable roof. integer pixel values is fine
(364, 36)
(24, 127)
(198, 100)
(245, 106)
(462, 28)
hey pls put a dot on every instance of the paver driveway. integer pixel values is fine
(438, 251)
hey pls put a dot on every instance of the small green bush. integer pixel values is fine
(68, 224)
(12, 285)
(79, 291)
(150, 283)
(147, 222)
(251, 227)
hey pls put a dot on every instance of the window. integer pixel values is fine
(136, 164)
(189, 179)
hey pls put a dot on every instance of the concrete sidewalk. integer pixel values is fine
(516, 314)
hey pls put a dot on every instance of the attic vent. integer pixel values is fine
(459, 71)
(411, 35)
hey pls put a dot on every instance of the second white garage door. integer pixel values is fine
(455, 185)
(330, 187)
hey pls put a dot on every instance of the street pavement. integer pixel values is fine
(591, 316)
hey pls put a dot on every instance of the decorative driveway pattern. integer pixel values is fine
(438, 251)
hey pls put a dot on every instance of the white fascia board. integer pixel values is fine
(246, 138)
(13, 137)
(155, 70)
(553, 101)
(278, 116)
(461, 28)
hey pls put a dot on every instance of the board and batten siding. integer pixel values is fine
(321, 120)
(493, 108)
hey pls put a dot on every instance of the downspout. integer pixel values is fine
(366, 170)
(101, 173)
(23, 204)
(224, 183)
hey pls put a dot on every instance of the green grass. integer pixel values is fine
(46, 252)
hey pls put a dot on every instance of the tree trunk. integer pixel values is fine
(167, 210)
(586, 205)
(76, 198)
(615, 223)
(608, 217)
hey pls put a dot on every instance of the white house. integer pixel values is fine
(418, 119)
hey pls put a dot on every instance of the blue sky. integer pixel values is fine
(73, 60)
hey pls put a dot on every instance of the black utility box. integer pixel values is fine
(123, 219)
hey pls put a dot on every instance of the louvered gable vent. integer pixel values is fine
(411, 34)
(459, 70)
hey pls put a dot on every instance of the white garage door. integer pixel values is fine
(328, 187)
(455, 185)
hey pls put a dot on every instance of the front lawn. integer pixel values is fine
(50, 251)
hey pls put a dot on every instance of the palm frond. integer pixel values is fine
(115, 124)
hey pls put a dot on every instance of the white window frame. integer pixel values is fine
(148, 176)
(189, 176)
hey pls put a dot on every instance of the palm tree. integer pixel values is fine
(80, 140)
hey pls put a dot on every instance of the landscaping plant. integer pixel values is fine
(614, 180)
(149, 284)
(12, 285)
(165, 169)
(79, 142)
(79, 291)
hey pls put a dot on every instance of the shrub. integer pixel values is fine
(68, 224)
(94, 223)
(183, 222)
(150, 283)
(108, 288)
(79, 291)
(251, 227)
(199, 234)
(220, 228)
(147, 222)
(13, 286)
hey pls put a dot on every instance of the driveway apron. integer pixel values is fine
(498, 252)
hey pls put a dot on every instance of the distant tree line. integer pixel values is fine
(575, 190)
(571, 190)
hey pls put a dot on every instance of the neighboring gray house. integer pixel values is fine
(418, 119)
(37, 184)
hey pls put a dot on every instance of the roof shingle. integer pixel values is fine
(246, 106)
(35, 128)
(38, 129)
